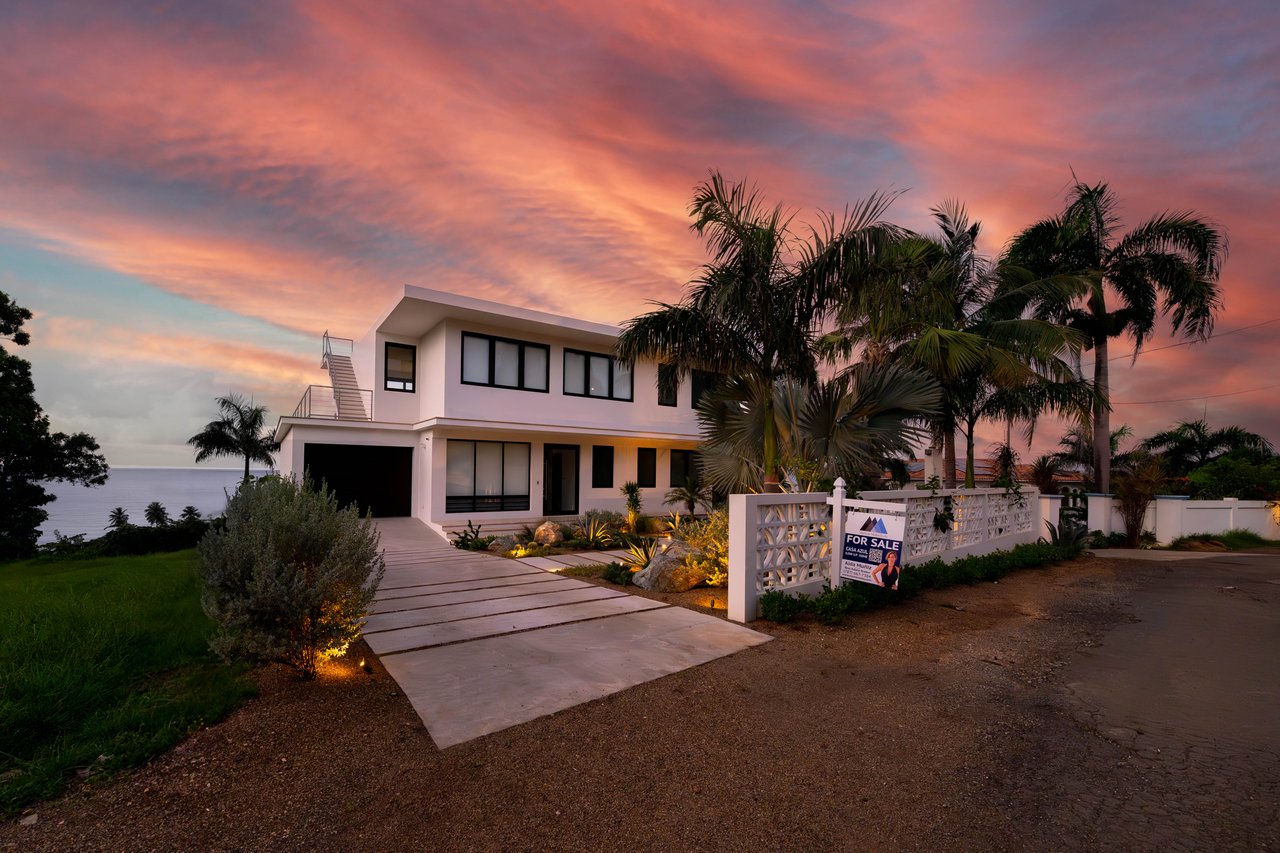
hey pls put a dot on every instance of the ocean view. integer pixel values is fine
(84, 510)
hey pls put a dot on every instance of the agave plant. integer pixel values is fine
(640, 553)
(596, 533)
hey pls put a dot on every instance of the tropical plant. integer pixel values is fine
(118, 519)
(1135, 489)
(1191, 444)
(189, 513)
(692, 493)
(290, 577)
(1231, 476)
(1077, 452)
(754, 310)
(470, 539)
(847, 424)
(640, 553)
(595, 534)
(240, 430)
(618, 573)
(1073, 538)
(1044, 473)
(32, 456)
(1003, 460)
(156, 515)
(631, 493)
(1168, 265)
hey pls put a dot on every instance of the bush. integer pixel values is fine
(1233, 476)
(613, 521)
(291, 576)
(777, 606)
(617, 573)
(709, 539)
(470, 539)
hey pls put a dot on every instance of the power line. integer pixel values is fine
(1189, 399)
(1187, 343)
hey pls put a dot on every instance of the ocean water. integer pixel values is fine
(85, 510)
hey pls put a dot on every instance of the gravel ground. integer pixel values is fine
(940, 725)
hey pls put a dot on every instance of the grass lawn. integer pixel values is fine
(102, 658)
(1235, 540)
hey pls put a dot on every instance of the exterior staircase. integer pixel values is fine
(347, 396)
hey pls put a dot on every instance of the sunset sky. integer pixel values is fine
(191, 193)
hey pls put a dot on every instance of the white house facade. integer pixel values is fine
(452, 409)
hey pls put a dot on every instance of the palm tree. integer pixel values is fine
(156, 514)
(753, 311)
(1077, 452)
(1044, 473)
(189, 513)
(240, 431)
(118, 519)
(1191, 444)
(1168, 265)
(691, 494)
(836, 428)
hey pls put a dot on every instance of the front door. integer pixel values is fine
(560, 480)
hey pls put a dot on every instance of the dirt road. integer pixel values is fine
(1095, 705)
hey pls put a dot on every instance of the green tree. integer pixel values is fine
(1191, 444)
(240, 430)
(30, 453)
(156, 514)
(189, 513)
(690, 495)
(1168, 265)
(754, 311)
(118, 519)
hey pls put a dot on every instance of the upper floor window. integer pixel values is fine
(702, 382)
(588, 374)
(400, 367)
(504, 363)
(668, 384)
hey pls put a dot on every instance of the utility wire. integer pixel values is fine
(1189, 399)
(1187, 343)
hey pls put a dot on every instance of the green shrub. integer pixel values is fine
(617, 573)
(610, 520)
(291, 576)
(709, 538)
(130, 541)
(778, 606)
(470, 539)
(1237, 476)
(1234, 540)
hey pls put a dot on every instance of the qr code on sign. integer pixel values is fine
(875, 555)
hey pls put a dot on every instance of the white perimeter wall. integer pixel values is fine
(1171, 516)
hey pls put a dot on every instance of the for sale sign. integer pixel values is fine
(873, 548)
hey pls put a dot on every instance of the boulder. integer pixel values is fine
(503, 544)
(669, 571)
(549, 533)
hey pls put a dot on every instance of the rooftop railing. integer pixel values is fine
(343, 404)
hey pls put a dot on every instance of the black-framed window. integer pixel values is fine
(602, 466)
(668, 385)
(683, 466)
(400, 367)
(590, 374)
(486, 476)
(702, 382)
(647, 467)
(505, 363)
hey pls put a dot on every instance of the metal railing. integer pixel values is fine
(334, 346)
(343, 404)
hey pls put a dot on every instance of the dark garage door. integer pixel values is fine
(377, 478)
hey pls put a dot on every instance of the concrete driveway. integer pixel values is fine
(480, 643)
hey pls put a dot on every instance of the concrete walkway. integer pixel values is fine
(480, 643)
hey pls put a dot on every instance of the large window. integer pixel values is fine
(400, 367)
(588, 374)
(602, 467)
(702, 382)
(668, 384)
(647, 467)
(683, 467)
(504, 363)
(486, 476)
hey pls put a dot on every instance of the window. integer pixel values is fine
(588, 374)
(400, 367)
(682, 467)
(601, 467)
(702, 382)
(647, 467)
(486, 476)
(668, 384)
(504, 363)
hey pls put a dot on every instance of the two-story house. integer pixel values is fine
(452, 409)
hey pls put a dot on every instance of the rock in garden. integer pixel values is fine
(502, 544)
(669, 571)
(548, 533)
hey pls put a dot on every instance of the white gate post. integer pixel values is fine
(742, 560)
(837, 531)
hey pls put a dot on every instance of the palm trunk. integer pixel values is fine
(1101, 417)
(771, 485)
(969, 480)
(949, 458)
(246, 466)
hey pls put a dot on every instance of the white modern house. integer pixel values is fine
(452, 409)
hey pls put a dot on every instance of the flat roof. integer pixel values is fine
(419, 309)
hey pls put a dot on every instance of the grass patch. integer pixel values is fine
(104, 663)
(1235, 540)
(592, 571)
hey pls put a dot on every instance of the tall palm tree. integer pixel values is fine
(156, 514)
(1169, 265)
(753, 311)
(1077, 452)
(240, 430)
(119, 518)
(1191, 444)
